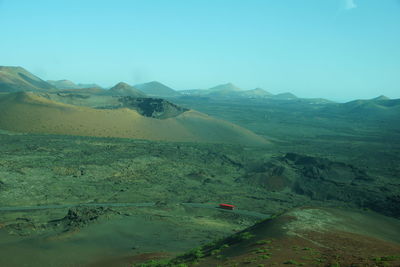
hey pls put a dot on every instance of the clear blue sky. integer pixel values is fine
(337, 49)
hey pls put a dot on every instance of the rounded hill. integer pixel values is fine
(32, 113)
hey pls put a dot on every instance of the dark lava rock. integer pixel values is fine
(322, 179)
(323, 169)
(271, 176)
(22, 227)
(153, 107)
(79, 217)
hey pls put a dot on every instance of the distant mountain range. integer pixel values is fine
(14, 79)
(230, 90)
(66, 84)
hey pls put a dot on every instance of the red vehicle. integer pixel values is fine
(227, 206)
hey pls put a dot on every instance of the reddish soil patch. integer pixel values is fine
(333, 249)
(128, 261)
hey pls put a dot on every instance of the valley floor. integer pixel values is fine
(39, 170)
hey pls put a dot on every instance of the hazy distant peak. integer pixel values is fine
(88, 85)
(229, 84)
(67, 84)
(254, 93)
(381, 97)
(155, 88)
(286, 95)
(225, 87)
(124, 89)
(155, 83)
(121, 85)
(63, 84)
(260, 90)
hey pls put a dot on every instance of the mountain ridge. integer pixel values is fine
(13, 79)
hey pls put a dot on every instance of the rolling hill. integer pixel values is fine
(33, 113)
(14, 79)
(376, 109)
(157, 89)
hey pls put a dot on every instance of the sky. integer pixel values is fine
(335, 49)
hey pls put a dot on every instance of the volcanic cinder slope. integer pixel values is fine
(305, 237)
(33, 113)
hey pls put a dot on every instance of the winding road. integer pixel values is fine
(148, 204)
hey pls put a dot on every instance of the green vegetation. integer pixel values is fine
(245, 236)
(386, 258)
(266, 256)
(157, 263)
(261, 250)
(215, 251)
(194, 254)
(263, 242)
(291, 262)
(250, 260)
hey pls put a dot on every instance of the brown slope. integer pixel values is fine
(328, 237)
(31, 113)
